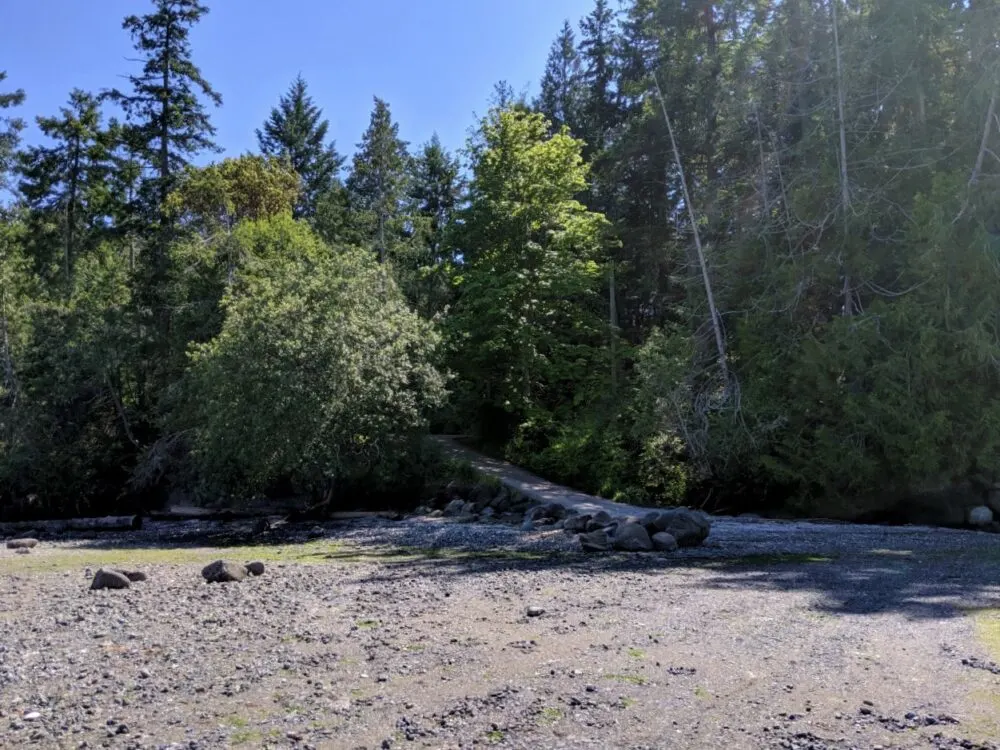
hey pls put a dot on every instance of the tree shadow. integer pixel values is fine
(919, 574)
(863, 583)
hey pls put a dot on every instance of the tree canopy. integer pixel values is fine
(740, 252)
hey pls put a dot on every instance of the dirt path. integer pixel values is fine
(529, 485)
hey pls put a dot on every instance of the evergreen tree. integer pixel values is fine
(66, 183)
(296, 132)
(10, 129)
(561, 95)
(597, 51)
(167, 121)
(378, 181)
(435, 191)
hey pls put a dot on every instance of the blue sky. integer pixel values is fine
(434, 61)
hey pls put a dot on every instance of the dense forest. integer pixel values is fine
(743, 252)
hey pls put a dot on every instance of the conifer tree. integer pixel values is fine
(10, 128)
(297, 132)
(377, 184)
(561, 92)
(66, 183)
(167, 120)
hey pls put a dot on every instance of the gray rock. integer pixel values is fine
(601, 519)
(316, 532)
(664, 542)
(133, 575)
(595, 541)
(690, 528)
(528, 524)
(487, 514)
(649, 521)
(555, 510)
(22, 543)
(535, 611)
(577, 524)
(501, 502)
(631, 537)
(22, 551)
(109, 579)
(455, 508)
(980, 516)
(222, 571)
(255, 568)
(422, 510)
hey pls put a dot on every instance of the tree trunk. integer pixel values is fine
(108, 523)
(845, 191)
(720, 341)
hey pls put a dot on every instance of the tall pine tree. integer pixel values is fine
(65, 184)
(435, 191)
(597, 51)
(167, 120)
(10, 129)
(560, 98)
(295, 131)
(377, 184)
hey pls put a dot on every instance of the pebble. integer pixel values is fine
(535, 611)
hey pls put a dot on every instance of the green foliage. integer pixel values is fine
(69, 433)
(10, 129)
(561, 95)
(527, 318)
(377, 185)
(66, 186)
(319, 373)
(248, 188)
(166, 124)
(296, 133)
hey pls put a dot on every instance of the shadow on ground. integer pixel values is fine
(939, 580)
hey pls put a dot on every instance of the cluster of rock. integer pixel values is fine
(221, 571)
(657, 530)
(22, 546)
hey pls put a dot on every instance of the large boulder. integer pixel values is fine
(455, 508)
(980, 516)
(222, 571)
(689, 527)
(109, 579)
(595, 541)
(632, 537)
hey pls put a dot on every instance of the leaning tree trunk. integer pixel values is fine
(108, 523)
(720, 341)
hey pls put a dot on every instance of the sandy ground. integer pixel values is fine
(416, 634)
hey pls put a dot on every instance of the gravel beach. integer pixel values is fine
(429, 633)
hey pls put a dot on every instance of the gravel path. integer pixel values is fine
(381, 634)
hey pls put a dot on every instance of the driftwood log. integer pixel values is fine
(108, 523)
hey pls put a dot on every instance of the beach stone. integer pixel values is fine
(109, 579)
(222, 571)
